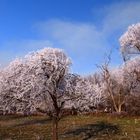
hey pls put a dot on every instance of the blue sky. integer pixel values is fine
(86, 29)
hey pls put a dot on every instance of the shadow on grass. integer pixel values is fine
(33, 122)
(24, 122)
(94, 130)
(11, 117)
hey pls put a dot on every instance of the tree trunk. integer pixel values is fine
(120, 108)
(54, 129)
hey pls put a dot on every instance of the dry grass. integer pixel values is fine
(81, 127)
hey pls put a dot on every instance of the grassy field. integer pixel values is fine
(84, 127)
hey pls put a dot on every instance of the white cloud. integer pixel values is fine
(74, 37)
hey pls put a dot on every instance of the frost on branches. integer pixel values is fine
(82, 94)
(132, 76)
(130, 41)
(33, 82)
(41, 82)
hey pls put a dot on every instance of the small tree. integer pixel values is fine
(109, 87)
(113, 85)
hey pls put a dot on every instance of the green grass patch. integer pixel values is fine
(83, 127)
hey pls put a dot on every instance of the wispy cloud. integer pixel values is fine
(73, 36)
(120, 15)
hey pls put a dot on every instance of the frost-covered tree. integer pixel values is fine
(121, 83)
(34, 83)
(83, 94)
(130, 41)
(113, 86)
(132, 84)
(130, 46)
(132, 75)
(10, 88)
(98, 90)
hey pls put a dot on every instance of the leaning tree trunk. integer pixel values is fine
(120, 108)
(54, 129)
